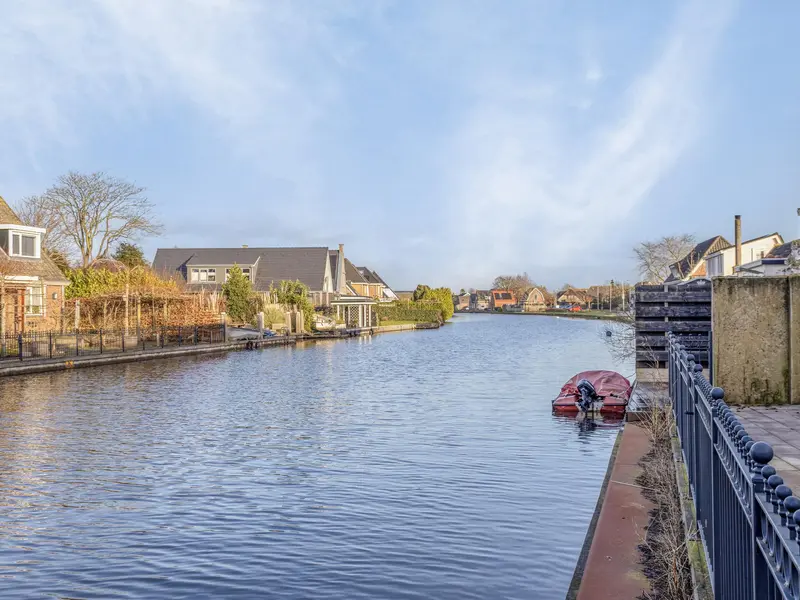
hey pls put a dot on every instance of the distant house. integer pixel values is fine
(693, 265)
(479, 300)
(781, 260)
(535, 300)
(573, 297)
(461, 301)
(498, 299)
(33, 285)
(372, 284)
(405, 296)
(208, 268)
(723, 262)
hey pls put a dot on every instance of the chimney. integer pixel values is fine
(737, 234)
(341, 276)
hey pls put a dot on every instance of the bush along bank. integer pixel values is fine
(416, 312)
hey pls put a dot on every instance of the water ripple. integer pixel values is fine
(420, 465)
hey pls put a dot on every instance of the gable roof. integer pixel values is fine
(783, 251)
(690, 263)
(42, 267)
(8, 216)
(273, 265)
(744, 243)
(351, 273)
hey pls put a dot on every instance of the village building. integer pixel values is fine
(479, 300)
(31, 285)
(574, 297)
(536, 300)
(499, 299)
(461, 302)
(781, 260)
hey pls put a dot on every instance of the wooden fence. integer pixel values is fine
(683, 309)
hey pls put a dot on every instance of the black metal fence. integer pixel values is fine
(747, 518)
(53, 344)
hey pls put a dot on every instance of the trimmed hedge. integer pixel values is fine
(421, 312)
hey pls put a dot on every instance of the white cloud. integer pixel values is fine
(594, 74)
(528, 189)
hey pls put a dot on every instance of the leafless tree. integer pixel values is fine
(95, 212)
(654, 258)
(517, 284)
(36, 212)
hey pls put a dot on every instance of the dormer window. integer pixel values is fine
(23, 245)
(20, 241)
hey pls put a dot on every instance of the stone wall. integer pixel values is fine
(756, 332)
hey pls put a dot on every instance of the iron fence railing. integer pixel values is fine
(747, 518)
(54, 344)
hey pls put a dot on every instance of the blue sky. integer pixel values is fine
(441, 141)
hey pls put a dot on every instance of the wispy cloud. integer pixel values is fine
(531, 190)
(532, 144)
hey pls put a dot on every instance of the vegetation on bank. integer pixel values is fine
(408, 311)
(91, 283)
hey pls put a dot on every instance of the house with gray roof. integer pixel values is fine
(208, 268)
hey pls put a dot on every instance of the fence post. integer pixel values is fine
(180, 335)
(77, 343)
(761, 453)
(101, 341)
(50, 345)
(163, 336)
(195, 335)
(19, 345)
(122, 341)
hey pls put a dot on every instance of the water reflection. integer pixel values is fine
(415, 465)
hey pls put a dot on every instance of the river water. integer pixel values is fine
(411, 465)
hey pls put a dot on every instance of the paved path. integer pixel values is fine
(779, 426)
(612, 570)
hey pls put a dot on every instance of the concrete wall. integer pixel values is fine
(756, 328)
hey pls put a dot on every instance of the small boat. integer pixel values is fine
(604, 392)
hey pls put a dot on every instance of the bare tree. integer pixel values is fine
(655, 258)
(517, 284)
(95, 212)
(36, 212)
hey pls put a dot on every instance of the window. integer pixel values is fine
(203, 276)
(24, 245)
(245, 272)
(34, 301)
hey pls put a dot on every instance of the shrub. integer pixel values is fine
(421, 312)
(238, 292)
(442, 296)
(294, 294)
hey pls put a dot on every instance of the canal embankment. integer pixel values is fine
(587, 315)
(27, 365)
(612, 568)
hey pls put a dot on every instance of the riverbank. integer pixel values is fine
(590, 315)
(11, 367)
(612, 569)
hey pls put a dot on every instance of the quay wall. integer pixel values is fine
(26, 367)
(756, 339)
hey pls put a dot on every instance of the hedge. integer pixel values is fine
(421, 312)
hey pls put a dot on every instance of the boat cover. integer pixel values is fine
(606, 383)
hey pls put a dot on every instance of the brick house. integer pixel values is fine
(501, 298)
(31, 285)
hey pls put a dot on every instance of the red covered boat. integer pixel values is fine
(605, 392)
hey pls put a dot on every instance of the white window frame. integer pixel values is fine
(14, 235)
(246, 271)
(202, 275)
(32, 307)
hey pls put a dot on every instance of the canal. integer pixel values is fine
(411, 465)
